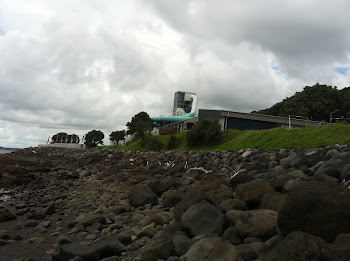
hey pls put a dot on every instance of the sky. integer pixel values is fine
(75, 66)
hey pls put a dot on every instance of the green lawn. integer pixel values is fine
(265, 139)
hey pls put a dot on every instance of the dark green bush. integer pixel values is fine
(154, 144)
(204, 133)
(172, 142)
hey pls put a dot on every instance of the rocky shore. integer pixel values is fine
(59, 204)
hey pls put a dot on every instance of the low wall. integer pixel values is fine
(64, 145)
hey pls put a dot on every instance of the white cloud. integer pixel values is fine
(86, 65)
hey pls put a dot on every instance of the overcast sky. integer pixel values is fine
(79, 65)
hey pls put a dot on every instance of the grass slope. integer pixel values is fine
(278, 138)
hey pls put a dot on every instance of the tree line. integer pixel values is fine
(315, 102)
(140, 126)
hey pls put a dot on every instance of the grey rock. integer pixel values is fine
(50, 209)
(209, 249)
(260, 223)
(203, 218)
(141, 195)
(345, 173)
(253, 192)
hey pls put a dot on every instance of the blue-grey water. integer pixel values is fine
(3, 151)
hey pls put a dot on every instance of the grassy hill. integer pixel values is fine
(278, 138)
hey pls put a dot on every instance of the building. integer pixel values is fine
(183, 103)
(252, 121)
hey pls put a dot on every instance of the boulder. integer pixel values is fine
(6, 215)
(232, 204)
(260, 223)
(296, 246)
(239, 179)
(318, 208)
(141, 195)
(161, 246)
(345, 173)
(339, 251)
(331, 168)
(171, 198)
(253, 191)
(209, 249)
(203, 218)
(192, 197)
(273, 200)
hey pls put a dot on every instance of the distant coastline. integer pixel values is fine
(7, 150)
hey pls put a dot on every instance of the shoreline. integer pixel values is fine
(168, 205)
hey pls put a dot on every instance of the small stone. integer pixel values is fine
(30, 223)
(91, 237)
(50, 251)
(34, 240)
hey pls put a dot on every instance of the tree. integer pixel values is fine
(93, 138)
(63, 137)
(140, 124)
(117, 136)
(204, 133)
(59, 137)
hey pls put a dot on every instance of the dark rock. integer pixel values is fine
(63, 240)
(245, 252)
(3, 242)
(30, 223)
(296, 246)
(232, 204)
(340, 250)
(203, 218)
(124, 238)
(94, 252)
(97, 226)
(291, 161)
(230, 235)
(50, 209)
(112, 258)
(192, 197)
(161, 246)
(249, 240)
(147, 232)
(317, 208)
(6, 215)
(273, 200)
(141, 195)
(171, 198)
(91, 219)
(209, 249)
(5, 234)
(345, 173)
(260, 223)
(239, 179)
(181, 244)
(253, 191)
(331, 168)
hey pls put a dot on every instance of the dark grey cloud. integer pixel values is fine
(93, 65)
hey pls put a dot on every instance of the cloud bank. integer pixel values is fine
(83, 65)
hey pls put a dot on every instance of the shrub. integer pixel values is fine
(206, 132)
(172, 142)
(154, 144)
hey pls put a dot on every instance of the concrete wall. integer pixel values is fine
(64, 145)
